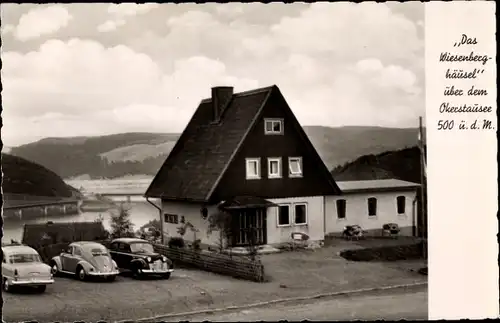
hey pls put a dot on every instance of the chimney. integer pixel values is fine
(221, 95)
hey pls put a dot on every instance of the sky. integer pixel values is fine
(94, 69)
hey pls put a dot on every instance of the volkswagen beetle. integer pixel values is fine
(22, 266)
(85, 259)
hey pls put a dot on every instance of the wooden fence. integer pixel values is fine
(235, 266)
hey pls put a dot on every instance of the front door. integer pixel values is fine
(248, 222)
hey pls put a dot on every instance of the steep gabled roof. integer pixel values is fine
(205, 148)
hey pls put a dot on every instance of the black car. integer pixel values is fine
(139, 257)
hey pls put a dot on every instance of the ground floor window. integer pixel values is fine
(283, 215)
(372, 206)
(401, 204)
(300, 213)
(171, 218)
(341, 209)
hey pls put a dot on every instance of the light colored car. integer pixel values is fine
(85, 259)
(22, 266)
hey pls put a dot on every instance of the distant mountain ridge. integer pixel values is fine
(129, 154)
(24, 177)
(401, 164)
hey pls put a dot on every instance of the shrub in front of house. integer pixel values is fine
(389, 253)
(176, 242)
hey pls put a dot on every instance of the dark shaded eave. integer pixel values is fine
(380, 189)
(246, 202)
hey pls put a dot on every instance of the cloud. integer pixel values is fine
(130, 9)
(7, 29)
(110, 25)
(230, 10)
(121, 11)
(336, 64)
(78, 86)
(42, 21)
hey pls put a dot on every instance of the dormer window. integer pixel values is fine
(253, 168)
(273, 126)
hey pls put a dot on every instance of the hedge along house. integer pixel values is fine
(247, 153)
(371, 204)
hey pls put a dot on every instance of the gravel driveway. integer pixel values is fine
(293, 274)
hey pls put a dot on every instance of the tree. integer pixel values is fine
(252, 246)
(121, 225)
(220, 221)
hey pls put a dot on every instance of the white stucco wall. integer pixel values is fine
(275, 234)
(357, 211)
(315, 220)
(191, 213)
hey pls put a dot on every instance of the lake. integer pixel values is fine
(141, 212)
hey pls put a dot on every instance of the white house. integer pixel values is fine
(247, 154)
(371, 204)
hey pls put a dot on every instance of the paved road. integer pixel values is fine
(388, 305)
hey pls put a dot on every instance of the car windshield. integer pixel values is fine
(24, 258)
(99, 252)
(141, 247)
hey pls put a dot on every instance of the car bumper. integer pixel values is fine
(156, 271)
(30, 282)
(103, 274)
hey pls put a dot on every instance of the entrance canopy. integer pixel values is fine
(246, 202)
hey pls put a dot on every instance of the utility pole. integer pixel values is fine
(423, 184)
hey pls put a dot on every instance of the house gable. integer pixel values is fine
(205, 148)
(292, 142)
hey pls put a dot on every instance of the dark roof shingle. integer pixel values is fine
(202, 152)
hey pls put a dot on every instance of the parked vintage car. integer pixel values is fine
(22, 266)
(139, 257)
(85, 259)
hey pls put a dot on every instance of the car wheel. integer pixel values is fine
(166, 276)
(54, 270)
(42, 288)
(80, 273)
(136, 272)
(6, 286)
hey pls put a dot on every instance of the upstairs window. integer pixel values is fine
(341, 209)
(274, 167)
(253, 168)
(295, 167)
(401, 204)
(273, 126)
(372, 206)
